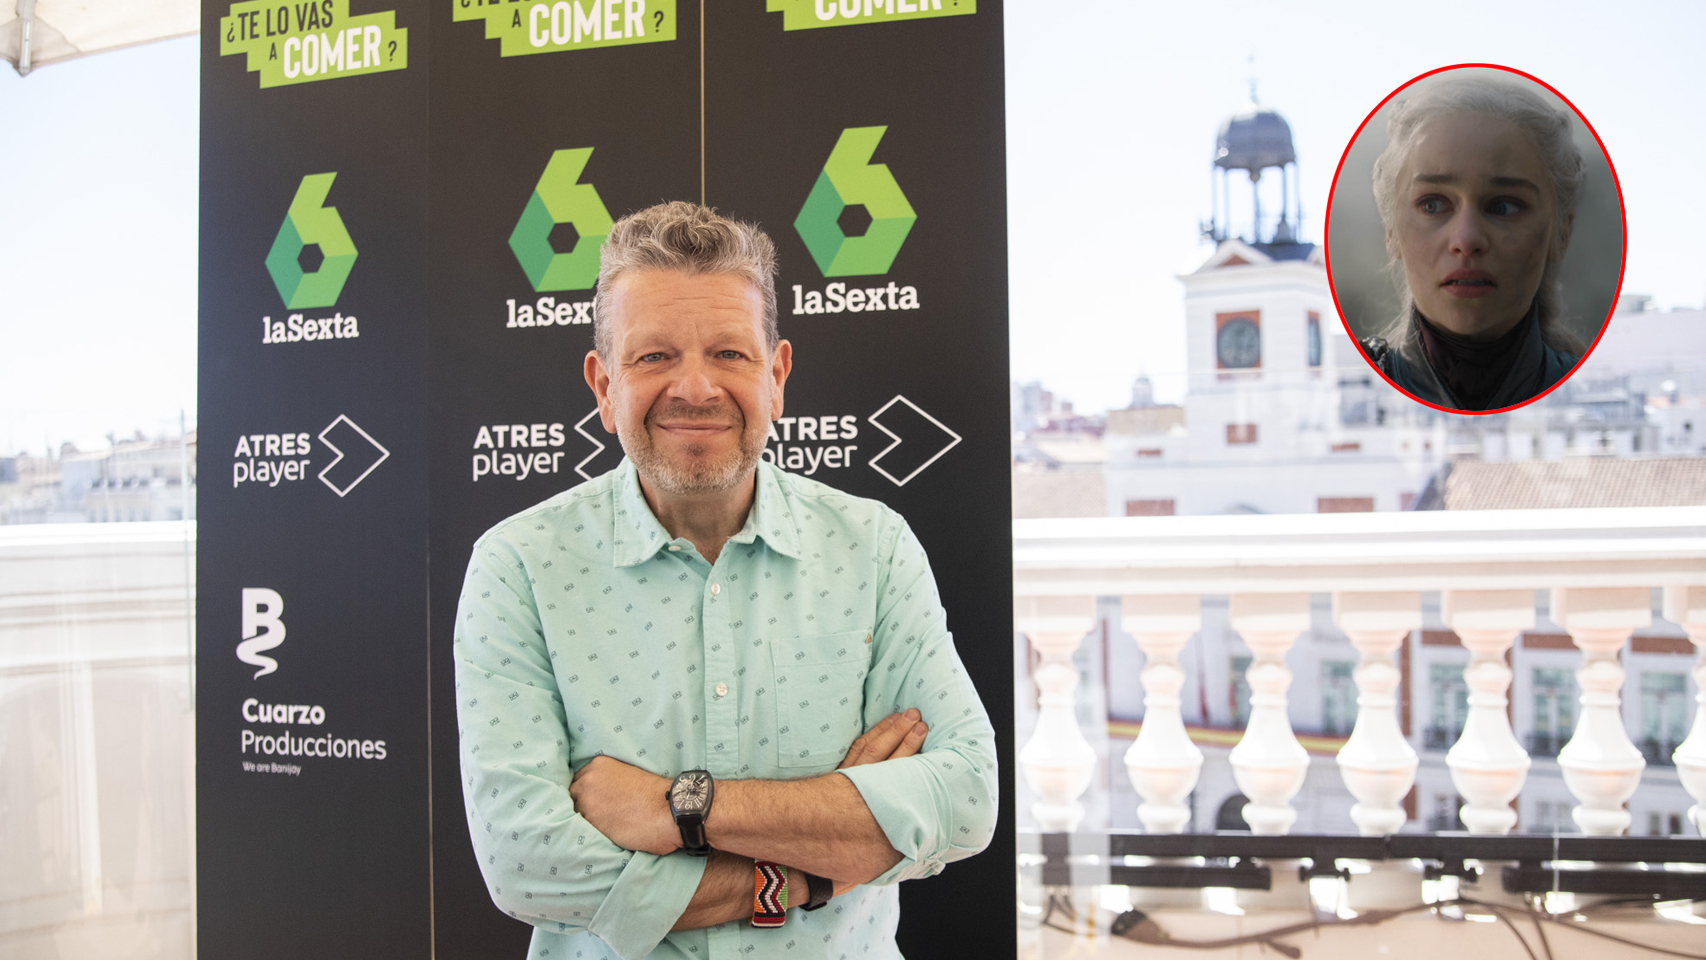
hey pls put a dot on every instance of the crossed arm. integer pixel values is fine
(567, 862)
(820, 825)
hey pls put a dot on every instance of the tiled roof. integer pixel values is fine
(1059, 493)
(1576, 482)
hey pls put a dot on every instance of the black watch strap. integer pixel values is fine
(818, 890)
(693, 839)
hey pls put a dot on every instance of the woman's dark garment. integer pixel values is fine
(1454, 371)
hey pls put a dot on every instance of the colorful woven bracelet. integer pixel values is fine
(769, 894)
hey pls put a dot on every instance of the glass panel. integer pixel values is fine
(97, 480)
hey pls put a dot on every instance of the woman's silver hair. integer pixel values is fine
(1547, 125)
(693, 239)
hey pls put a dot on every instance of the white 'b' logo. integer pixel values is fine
(262, 629)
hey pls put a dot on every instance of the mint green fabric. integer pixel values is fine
(584, 629)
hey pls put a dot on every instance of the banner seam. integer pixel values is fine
(701, 102)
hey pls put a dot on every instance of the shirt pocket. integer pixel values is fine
(820, 696)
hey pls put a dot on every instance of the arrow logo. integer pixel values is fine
(610, 453)
(911, 421)
(352, 437)
(597, 444)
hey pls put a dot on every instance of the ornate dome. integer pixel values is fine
(1252, 139)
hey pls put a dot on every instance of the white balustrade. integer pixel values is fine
(1162, 762)
(1600, 564)
(1378, 765)
(1686, 607)
(1268, 763)
(1488, 765)
(1600, 763)
(1058, 762)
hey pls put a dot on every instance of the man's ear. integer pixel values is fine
(781, 362)
(598, 378)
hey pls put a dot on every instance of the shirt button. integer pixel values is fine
(675, 548)
(716, 588)
(722, 689)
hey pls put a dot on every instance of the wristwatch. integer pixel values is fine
(690, 803)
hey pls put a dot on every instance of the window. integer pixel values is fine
(1664, 714)
(1237, 433)
(1239, 691)
(1550, 817)
(1338, 698)
(1448, 706)
(1344, 504)
(1149, 508)
(1314, 339)
(1554, 710)
(1447, 815)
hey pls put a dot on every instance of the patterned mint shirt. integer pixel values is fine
(584, 629)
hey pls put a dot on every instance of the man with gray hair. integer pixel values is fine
(700, 698)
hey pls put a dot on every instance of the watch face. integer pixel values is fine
(691, 792)
(1239, 344)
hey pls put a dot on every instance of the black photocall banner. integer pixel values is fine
(872, 149)
(398, 251)
(533, 156)
(311, 695)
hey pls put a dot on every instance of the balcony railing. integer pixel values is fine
(1599, 566)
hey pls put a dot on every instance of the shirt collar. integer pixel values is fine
(639, 536)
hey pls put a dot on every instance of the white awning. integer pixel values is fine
(34, 33)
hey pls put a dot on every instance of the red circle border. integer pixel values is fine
(1623, 225)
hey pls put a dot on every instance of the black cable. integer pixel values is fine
(1624, 940)
(1539, 928)
(1495, 908)
(1138, 927)
(1518, 935)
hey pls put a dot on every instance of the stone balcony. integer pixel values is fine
(1381, 578)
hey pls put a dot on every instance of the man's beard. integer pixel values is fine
(699, 474)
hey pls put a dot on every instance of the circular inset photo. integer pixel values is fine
(1475, 238)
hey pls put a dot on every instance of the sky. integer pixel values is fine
(1113, 107)
(98, 246)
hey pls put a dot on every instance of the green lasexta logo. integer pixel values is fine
(311, 221)
(560, 198)
(850, 178)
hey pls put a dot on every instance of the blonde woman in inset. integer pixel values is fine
(1477, 190)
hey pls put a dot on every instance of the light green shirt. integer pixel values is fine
(584, 629)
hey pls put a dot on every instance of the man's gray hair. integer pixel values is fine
(1506, 98)
(693, 239)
